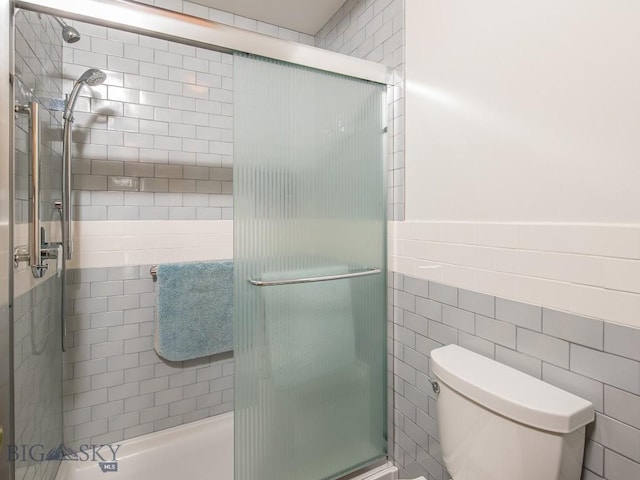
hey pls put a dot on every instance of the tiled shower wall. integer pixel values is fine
(374, 30)
(36, 306)
(226, 18)
(115, 385)
(599, 361)
(155, 141)
(38, 77)
(37, 376)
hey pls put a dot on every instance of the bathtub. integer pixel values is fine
(193, 451)
(201, 450)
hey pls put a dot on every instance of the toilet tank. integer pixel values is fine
(497, 423)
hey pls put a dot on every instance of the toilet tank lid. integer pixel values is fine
(509, 392)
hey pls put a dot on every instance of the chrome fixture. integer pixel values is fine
(69, 34)
(148, 20)
(271, 283)
(40, 249)
(91, 78)
(435, 386)
(262, 283)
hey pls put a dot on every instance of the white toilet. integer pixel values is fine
(497, 423)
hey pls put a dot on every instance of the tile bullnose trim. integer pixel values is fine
(100, 244)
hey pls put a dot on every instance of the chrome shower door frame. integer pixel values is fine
(178, 27)
(6, 235)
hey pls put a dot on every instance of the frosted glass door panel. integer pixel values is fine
(309, 203)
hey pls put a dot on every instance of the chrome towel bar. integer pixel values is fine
(270, 283)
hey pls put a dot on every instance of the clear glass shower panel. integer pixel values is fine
(309, 203)
(36, 334)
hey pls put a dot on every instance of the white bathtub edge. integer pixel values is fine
(70, 470)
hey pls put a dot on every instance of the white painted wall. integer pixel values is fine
(522, 110)
(523, 152)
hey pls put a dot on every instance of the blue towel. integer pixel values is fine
(194, 310)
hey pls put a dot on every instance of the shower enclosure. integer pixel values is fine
(310, 282)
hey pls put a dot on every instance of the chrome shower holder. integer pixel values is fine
(22, 254)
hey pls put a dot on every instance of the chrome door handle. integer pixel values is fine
(325, 278)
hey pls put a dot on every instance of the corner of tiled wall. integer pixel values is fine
(374, 30)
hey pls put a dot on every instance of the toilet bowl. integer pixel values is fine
(497, 423)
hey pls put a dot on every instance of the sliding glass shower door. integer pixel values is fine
(310, 272)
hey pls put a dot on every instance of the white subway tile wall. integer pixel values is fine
(38, 77)
(374, 30)
(202, 11)
(594, 359)
(37, 388)
(160, 129)
(161, 126)
(122, 243)
(590, 270)
(115, 385)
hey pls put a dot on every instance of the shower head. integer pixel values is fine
(69, 34)
(91, 78)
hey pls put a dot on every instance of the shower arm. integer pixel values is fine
(71, 100)
(60, 22)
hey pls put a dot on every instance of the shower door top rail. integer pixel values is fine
(324, 278)
(179, 27)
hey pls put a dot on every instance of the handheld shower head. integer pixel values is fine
(69, 34)
(91, 78)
